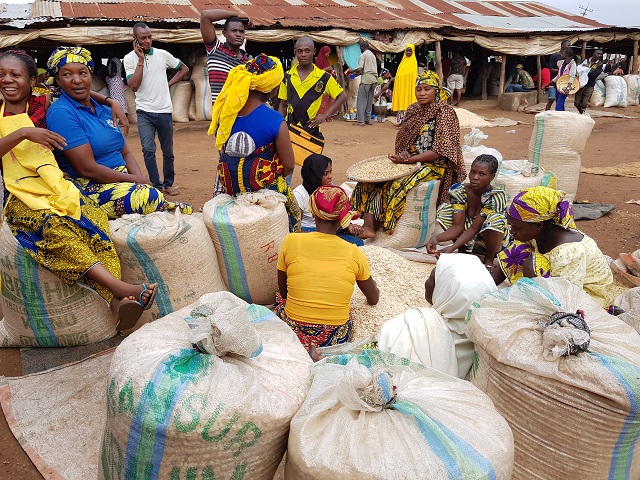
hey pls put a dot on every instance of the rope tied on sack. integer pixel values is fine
(565, 334)
(380, 393)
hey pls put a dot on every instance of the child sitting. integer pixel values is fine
(316, 171)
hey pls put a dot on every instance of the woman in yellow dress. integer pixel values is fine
(548, 244)
(404, 86)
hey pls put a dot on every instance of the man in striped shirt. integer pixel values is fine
(222, 57)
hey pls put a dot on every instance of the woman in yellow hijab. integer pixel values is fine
(253, 139)
(404, 89)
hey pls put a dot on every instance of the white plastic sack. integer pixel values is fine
(247, 232)
(373, 416)
(517, 175)
(474, 138)
(583, 75)
(202, 92)
(40, 310)
(171, 249)
(598, 96)
(589, 398)
(181, 93)
(469, 154)
(422, 336)
(616, 92)
(633, 89)
(557, 140)
(417, 223)
(173, 412)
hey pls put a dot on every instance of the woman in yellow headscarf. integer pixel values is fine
(547, 243)
(404, 89)
(253, 140)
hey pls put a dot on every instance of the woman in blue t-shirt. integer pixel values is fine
(255, 148)
(96, 157)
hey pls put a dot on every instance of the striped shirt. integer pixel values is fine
(221, 59)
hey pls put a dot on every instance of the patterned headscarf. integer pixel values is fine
(429, 77)
(63, 55)
(331, 203)
(263, 74)
(539, 204)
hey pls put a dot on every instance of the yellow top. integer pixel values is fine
(333, 89)
(321, 272)
(583, 264)
(31, 173)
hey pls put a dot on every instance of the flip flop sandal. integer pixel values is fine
(129, 312)
(151, 300)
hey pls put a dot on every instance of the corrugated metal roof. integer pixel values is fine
(368, 15)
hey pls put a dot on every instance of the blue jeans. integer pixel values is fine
(148, 124)
(516, 87)
(560, 98)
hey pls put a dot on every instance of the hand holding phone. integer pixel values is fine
(137, 47)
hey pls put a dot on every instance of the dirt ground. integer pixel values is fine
(613, 141)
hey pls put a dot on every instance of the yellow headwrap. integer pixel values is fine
(263, 74)
(431, 78)
(63, 55)
(538, 204)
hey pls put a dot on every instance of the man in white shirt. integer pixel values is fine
(146, 69)
(368, 68)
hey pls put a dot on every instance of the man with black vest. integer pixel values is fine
(301, 91)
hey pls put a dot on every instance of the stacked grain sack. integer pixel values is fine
(202, 89)
(517, 175)
(171, 249)
(40, 310)
(98, 85)
(615, 91)
(377, 416)
(401, 284)
(568, 387)
(633, 89)
(130, 99)
(598, 96)
(181, 93)
(247, 232)
(557, 140)
(206, 392)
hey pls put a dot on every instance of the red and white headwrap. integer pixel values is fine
(330, 202)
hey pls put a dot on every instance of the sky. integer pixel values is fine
(620, 13)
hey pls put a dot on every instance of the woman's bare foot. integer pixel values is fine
(367, 233)
(316, 355)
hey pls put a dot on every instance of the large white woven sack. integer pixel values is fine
(598, 96)
(557, 140)
(469, 154)
(174, 412)
(40, 310)
(192, 106)
(572, 417)
(171, 249)
(375, 416)
(200, 79)
(247, 232)
(616, 91)
(130, 99)
(417, 223)
(633, 89)
(180, 101)
(517, 175)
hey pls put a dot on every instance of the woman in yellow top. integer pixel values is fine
(53, 221)
(547, 243)
(404, 86)
(317, 271)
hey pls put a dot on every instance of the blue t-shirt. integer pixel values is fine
(262, 125)
(79, 125)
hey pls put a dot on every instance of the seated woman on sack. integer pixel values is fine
(96, 156)
(429, 136)
(316, 171)
(475, 217)
(317, 271)
(548, 244)
(253, 139)
(55, 223)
